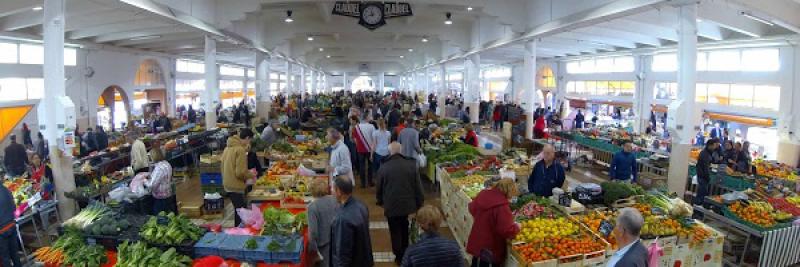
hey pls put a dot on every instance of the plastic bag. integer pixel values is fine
(137, 184)
(251, 217)
(303, 171)
(654, 253)
(121, 194)
(238, 231)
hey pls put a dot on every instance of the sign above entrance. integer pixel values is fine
(372, 15)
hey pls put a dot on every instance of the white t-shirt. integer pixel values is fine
(382, 141)
(366, 131)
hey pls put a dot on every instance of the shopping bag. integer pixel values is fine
(413, 232)
(421, 160)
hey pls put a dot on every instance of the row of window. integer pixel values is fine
(182, 85)
(14, 53)
(497, 72)
(602, 65)
(16, 89)
(751, 59)
(190, 66)
(740, 95)
(601, 88)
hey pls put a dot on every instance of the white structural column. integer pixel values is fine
(314, 82)
(642, 98)
(381, 80)
(52, 118)
(441, 96)
(303, 82)
(428, 78)
(345, 83)
(263, 90)
(684, 116)
(289, 80)
(212, 83)
(472, 92)
(530, 99)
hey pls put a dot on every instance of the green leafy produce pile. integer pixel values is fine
(257, 144)
(301, 219)
(278, 222)
(616, 190)
(457, 152)
(274, 246)
(175, 232)
(251, 244)
(282, 146)
(87, 216)
(138, 254)
(110, 224)
(77, 253)
(525, 199)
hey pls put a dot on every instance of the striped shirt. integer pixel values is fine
(434, 251)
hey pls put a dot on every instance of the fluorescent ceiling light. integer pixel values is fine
(402, 56)
(469, 8)
(148, 37)
(448, 21)
(288, 17)
(751, 16)
(328, 56)
(37, 8)
(310, 38)
(411, 50)
(321, 49)
(424, 40)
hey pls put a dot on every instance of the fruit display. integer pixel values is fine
(775, 170)
(169, 229)
(784, 205)
(469, 180)
(535, 209)
(546, 228)
(659, 226)
(282, 168)
(558, 247)
(472, 190)
(754, 212)
(698, 234)
(281, 222)
(594, 219)
(794, 200)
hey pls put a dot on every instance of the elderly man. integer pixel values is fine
(400, 193)
(623, 165)
(546, 174)
(269, 135)
(140, 162)
(339, 163)
(432, 249)
(350, 241)
(632, 252)
(409, 138)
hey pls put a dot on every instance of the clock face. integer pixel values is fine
(372, 15)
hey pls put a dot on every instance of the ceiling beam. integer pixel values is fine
(657, 31)
(165, 38)
(597, 39)
(630, 36)
(20, 21)
(140, 33)
(780, 12)
(729, 18)
(668, 17)
(124, 26)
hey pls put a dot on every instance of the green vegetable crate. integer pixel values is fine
(288, 254)
(232, 247)
(260, 253)
(209, 244)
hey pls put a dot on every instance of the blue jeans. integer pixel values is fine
(376, 163)
(9, 248)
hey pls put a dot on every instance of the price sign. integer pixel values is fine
(605, 228)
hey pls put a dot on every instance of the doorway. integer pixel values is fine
(113, 108)
(362, 83)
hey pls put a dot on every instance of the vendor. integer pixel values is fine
(704, 171)
(15, 158)
(160, 183)
(470, 138)
(139, 160)
(39, 170)
(546, 174)
(269, 134)
(579, 118)
(8, 230)
(623, 165)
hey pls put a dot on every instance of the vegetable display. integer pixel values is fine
(251, 244)
(278, 222)
(71, 250)
(173, 230)
(87, 216)
(616, 190)
(108, 225)
(138, 254)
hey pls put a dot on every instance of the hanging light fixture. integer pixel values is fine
(321, 49)
(402, 56)
(411, 50)
(37, 8)
(328, 56)
(288, 17)
(424, 39)
(448, 21)
(310, 38)
(469, 8)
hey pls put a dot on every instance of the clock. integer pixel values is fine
(371, 15)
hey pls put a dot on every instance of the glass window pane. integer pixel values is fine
(274, 76)
(719, 93)
(231, 71)
(603, 65)
(251, 73)
(573, 67)
(587, 66)
(724, 60)
(701, 93)
(70, 57)
(230, 85)
(591, 87)
(661, 91)
(761, 60)
(602, 88)
(627, 88)
(768, 97)
(580, 87)
(8, 53)
(13, 89)
(702, 61)
(35, 88)
(624, 64)
(31, 54)
(665, 63)
(741, 95)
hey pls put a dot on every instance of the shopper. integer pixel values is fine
(350, 240)
(631, 252)
(101, 138)
(493, 224)
(432, 250)
(160, 182)
(400, 193)
(139, 159)
(15, 158)
(730, 153)
(26, 135)
(393, 118)
(8, 230)
(538, 128)
(41, 147)
(579, 119)
(546, 174)
(743, 158)
(39, 171)
(320, 218)
(623, 165)
(409, 138)
(191, 115)
(703, 166)
(381, 138)
(89, 141)
(235, 175)
(361, 134)
(339, 163)
(269, 134)
(470, 138)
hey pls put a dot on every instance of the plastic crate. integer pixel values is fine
(291, 254)
(212, 189)
(260, 253)
(728, 213)
(738, 184)
(211, 178)
(213, 204)
(233, 247)
(209, 244)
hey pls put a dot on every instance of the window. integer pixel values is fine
(17, 89)
(602, 65)
(701, 93)
(230, 85)
(455, 76)
(665, 63)
(573, 67)
(665, 91)
(587, 66)
(190, 85)
(31, 54)
(500, 72)
(251, 73)
(8, 53)
(546, 78)
(274, 76)
(761, 60)
(719, 93)
(741, 95)
(702, 61)
(251, 84)
(231, 71)
(611, 88)
(70, 57)
(190, 66)
(623, 64)
(724, 60)
(35, 88)
(768, 97)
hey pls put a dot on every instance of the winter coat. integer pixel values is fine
(350, 241)
(493, 225)
(623, 167)
(399, 188)
(234, 165)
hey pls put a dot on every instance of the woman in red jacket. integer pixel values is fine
(497, 116)
(471, 138)
(493, 224)
(538, 128)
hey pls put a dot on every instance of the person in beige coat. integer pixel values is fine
(235, 174)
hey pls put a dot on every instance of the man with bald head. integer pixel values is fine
(546, 174)
(400, 193)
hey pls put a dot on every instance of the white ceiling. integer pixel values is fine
(346, 45)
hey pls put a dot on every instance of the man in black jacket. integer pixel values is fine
(350, 241)
(704, 170)
(16, 159)
(8, 231)
(400, 193)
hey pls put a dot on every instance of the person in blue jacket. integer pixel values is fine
(623, 166)
(8, 230)
(546, 174)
